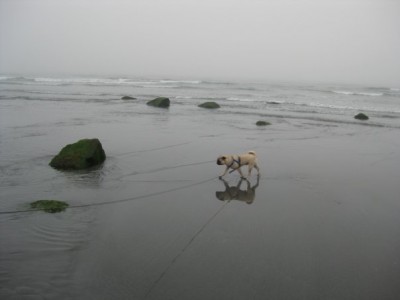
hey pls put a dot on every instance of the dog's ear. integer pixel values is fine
(223, 157)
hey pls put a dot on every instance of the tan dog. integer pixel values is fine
(235, 162)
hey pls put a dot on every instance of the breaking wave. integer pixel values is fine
(350, 93)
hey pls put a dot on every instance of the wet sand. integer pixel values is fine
(321, 222)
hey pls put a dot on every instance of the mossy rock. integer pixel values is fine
(209, 105)
(159, 102)
(361, 116)
(80, 155)
(50, 206)
(262, 123)
(128, 98)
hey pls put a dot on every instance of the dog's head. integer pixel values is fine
(221, 160)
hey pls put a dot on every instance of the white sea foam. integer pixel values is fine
(350, 93)
(161, 86)
(5, 77)
(75, 80)
(183, 97)
(181, 81)
(371, 94)
(109, 81)
(239, 99)
(100, 81)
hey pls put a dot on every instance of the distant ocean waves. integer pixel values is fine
(94, 81)
(169, 83)
(263, 98)
(383, 92)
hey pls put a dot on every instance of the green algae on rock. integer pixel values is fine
(361, 116)
(262, 123)
(210, 105)
(80, 155)
(159, 102)
(128, 98)
(50, 206)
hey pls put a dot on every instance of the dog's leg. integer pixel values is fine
(257, 183)
(223, 174)
(250, 168)
(240, 172)
(257, 168)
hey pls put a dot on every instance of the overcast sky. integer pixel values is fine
(354, 41)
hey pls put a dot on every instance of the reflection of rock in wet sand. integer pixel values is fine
(234, 192)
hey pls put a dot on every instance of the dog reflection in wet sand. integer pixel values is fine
(247, 195)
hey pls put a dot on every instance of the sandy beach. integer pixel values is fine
(155, 222)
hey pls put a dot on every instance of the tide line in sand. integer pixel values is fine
(120, 200)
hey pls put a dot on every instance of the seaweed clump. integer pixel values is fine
(50, 206)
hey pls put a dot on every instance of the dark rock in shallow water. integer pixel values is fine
(159, 102)
(211, 105)
(128, 98)
(80, 155)
(262, 123)
(50, 206)
(361, 116)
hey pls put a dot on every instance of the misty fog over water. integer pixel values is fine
(354, 41)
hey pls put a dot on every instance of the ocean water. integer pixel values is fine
(151, 223)
(329, 103)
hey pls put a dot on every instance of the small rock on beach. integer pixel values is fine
(262, 123)
(159, 102)
(128, 98)
(209, 105)
(361, 116)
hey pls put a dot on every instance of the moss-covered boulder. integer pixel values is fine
(128, 98)
(361, 116)
(80, 155)
(262, 123)
(50, 206)
(209, 105)
(159, 102)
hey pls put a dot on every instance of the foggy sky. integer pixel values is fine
(343, 41)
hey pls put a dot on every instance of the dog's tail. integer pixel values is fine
(252, 153)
